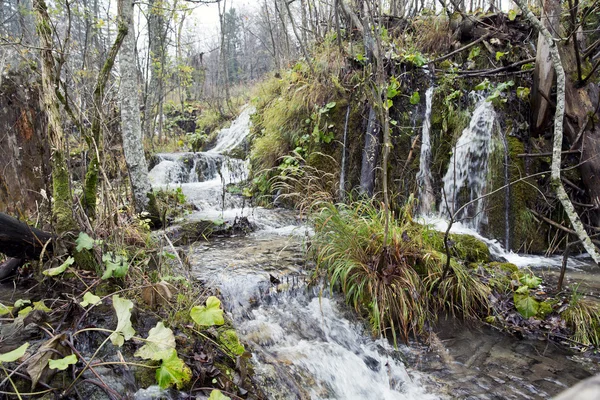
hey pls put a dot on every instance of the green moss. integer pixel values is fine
(506, 267)
(464, 247)
(545, 308)
(61, 190)
(229, 339)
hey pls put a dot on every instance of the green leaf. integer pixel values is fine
(124, 329)
(84, 241)
(330, 105)
(5, 309)
(523, 92)
(173, 371)
(208, 315)
(116, 265)
(60, 269)
(530, 280)
(40, 305)
(475, 51)
(14, 355)
(512, 14)
(25, 311)
(483, 85)
(528, 66)
(499, 55)
(523, 290)
(89, 298)
(526, 305)
(217, 395)
(158, 345)
(388, 104)
(62, 363)
(415, 98)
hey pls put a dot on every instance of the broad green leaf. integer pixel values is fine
(415, 98)
(89, 298)
(522, 290)
(14, 355)
(60, 269)
(475, 51)
(217, 395)
(21, 303)
(499, 55)
(526, 305)
(40, 305)
(84, 241)
(5, 309)
(124, 329)
(173, 371)
(208, 315)
(330, 105)
(483, 85)
(512, 14)
(158, 345)
(530, 280)
(523, 92)
(62, 363)
(116, 265)
(25, 311)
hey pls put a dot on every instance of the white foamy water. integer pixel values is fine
(232, 137)
(426, 196)
(468, 168)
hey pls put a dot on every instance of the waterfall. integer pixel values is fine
(466, 178)
(344, 152)
(203, 176)
(370, 155)
(426, 197)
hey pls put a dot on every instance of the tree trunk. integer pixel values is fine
(561, 194)
(61, 185)
(130, 117)
(20, 240)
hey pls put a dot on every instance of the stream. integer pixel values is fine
(305, 342)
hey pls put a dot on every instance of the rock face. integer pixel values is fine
(24, 153)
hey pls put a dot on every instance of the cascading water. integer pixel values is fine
(426, 196)
(303, 346)
(466, 178)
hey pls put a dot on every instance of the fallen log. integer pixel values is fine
(8, 267)
(19, 240)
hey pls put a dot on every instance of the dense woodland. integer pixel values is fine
(360, 108)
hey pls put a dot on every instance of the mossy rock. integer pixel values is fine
(507, 267)
(229, 339)
(464, 247)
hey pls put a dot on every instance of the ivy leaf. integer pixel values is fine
(173, 371)
(62, 363)
(40, 305)
(5, 309)
(84, 241)
(159, 344)
(512, 14)
(89, 298)
(530, 280)
(25, 311)
(60, 269)
(14, 355)
(116, 265)
(124, 329)
(217, 395)
(208, 315)
(526, 305)
(415, 98)
(499, 55)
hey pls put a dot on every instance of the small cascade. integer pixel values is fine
(344, 153)
(466, 178)
(426, 196)
(232, 137)
(204, 176)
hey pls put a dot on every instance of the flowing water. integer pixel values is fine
(426, 196)
(305, 342)
(466, 177)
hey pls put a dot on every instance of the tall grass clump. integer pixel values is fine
(583, 317)
(399, 285)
